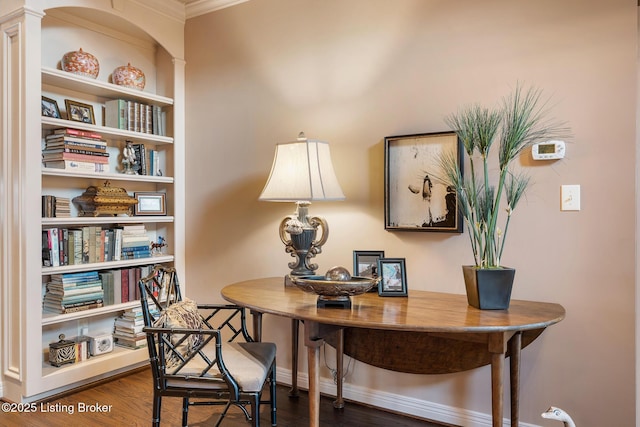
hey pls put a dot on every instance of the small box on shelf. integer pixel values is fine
(69, 351)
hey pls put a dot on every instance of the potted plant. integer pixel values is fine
(488, 196)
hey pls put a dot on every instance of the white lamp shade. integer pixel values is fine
(302, 171)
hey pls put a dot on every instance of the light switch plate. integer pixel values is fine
(570, 198)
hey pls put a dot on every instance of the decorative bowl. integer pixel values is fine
(334, 292)
(81, 63)
(129, 76)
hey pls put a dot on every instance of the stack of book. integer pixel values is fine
(128, 329)
(56, 207)
(75, 149)
(71, 292)
(62, 207)
(135, 242)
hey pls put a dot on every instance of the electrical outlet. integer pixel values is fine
(570, 198)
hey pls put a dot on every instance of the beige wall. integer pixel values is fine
(354, 71)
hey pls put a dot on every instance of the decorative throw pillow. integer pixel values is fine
(183, 314)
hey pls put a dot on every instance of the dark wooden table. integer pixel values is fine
(451, 335)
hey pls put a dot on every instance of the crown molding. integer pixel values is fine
(200, 7)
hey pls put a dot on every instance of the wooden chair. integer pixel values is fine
(203, 351)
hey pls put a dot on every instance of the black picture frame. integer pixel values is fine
(79, 112)
(416, 194)
(393, 277)
(365, 263)
(50, 108)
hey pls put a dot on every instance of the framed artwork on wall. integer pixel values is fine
(416, 194)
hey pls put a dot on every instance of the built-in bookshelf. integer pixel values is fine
(115, 38)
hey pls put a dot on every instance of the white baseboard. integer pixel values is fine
(398, 403)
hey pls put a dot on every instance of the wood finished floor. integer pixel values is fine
(130, 400)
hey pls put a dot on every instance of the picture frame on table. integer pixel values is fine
(150, 203)
(393, 277)
(50, 108)
(79, 112)
(365, 263)
(416, 194)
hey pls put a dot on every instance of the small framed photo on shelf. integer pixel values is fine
(393, 277)
(365, 263)
(50, 108)
(417, 196)
(79, 112)
(150, 203)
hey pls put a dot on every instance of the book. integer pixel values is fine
(76, 143)
(78, 165)
(80, 276)
(90, 158)
(116, 114)
(50, 243)
(73, 309)
(124, 284)
(77, 132)
(130, 343)
(106, 277)
(92, 151)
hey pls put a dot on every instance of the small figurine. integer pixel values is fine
(157, 247)
(558, 414)
(129, 159)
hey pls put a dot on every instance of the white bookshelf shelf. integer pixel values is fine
(62, 79)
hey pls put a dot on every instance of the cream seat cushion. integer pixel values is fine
(247, 362)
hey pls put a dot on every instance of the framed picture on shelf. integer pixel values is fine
(50, 108)
(150, 203)
(365, 263)
(79, 112)
(416, 194)
(393, 277)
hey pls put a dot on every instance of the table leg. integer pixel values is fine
(257, 325)
(339, 402)
(515, 345)
(498, 349)
(497, 388)
(313, 361)
(295, 328)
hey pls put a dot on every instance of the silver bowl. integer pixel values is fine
(334, 292)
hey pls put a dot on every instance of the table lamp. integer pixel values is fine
(302, 172)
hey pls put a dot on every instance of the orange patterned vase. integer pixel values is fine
(81, 63)
(129, 76)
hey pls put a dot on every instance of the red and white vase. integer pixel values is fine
(81, 63)
(129, 76)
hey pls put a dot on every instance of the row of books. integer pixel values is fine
(56, 207)
(72, 292)
(93, 244)
(128, 329)
(121, 285)
(68, 148)
(135, 116)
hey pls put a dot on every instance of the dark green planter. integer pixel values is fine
(488, 288)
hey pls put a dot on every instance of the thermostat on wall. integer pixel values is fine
(549, 150)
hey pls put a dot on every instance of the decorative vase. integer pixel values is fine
(81, 63)
(129, 76)
(488, 288)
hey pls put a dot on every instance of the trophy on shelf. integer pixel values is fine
(129, 161)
